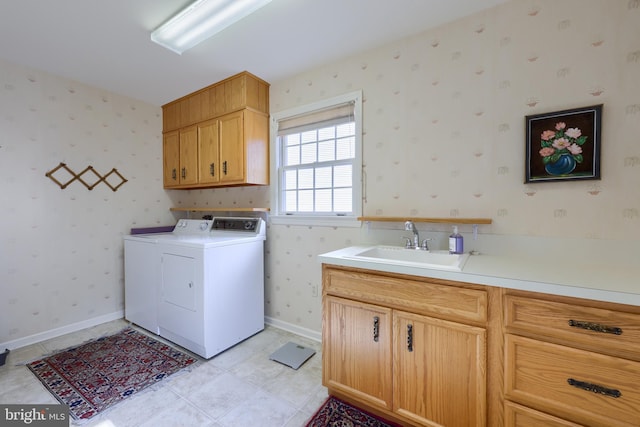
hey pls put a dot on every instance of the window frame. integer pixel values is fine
(317, 218)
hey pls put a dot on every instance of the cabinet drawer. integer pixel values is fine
(584, 387)
(597, 329)
(421, 297)
(521, 416)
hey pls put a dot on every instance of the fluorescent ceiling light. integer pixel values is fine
(201, 20)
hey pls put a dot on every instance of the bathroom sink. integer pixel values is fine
(438, 260)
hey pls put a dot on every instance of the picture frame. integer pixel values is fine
(563, 145)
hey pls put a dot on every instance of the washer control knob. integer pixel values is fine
(204, 225)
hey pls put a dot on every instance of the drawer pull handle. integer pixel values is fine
(598, 389)
(410, 337)
(376, 328)
(596, 327)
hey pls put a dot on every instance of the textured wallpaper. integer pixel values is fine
(444, 136)
(444, 133)
(61, 259)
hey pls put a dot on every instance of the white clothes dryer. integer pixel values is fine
(200, 286)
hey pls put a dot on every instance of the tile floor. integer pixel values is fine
(240, 387)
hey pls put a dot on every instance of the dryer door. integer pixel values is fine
(180, 311)
(178, 281)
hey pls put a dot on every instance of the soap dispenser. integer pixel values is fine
(456, 245)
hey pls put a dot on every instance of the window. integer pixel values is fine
(318, 160)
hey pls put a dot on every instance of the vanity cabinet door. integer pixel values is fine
(439, 371)
(357, 350)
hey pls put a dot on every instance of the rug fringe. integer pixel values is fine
(52, 352)
(108, 334)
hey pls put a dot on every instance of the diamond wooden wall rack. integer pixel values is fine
(78, 177)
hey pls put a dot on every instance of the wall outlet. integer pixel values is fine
(314, 290)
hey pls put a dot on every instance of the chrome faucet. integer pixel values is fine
(410, 226)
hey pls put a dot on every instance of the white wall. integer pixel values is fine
(61, 260)
(444, 136)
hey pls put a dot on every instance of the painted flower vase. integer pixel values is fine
(565, 165)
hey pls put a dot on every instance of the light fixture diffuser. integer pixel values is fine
(201, 20)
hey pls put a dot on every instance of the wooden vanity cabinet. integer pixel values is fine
(459, 354)
(439, 371)
(359, 361)
(218, 136)
(571, 362)
(410, 348)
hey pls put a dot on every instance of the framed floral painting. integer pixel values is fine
(563, 145)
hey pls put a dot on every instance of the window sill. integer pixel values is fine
(317, 221)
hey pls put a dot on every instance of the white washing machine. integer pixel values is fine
(200, 286)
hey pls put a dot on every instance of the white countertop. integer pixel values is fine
(585, 277)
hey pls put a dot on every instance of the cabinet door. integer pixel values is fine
(357, 350)
(171, 159)
(209, 169)
(171, 116)
(189, 156)
(232, 149)
(439, 371)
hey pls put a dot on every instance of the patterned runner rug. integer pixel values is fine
(336, 413)
(96, 375)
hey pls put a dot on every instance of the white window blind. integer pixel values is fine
(319, 163)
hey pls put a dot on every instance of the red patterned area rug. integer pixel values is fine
(336, 413)
(96, 375)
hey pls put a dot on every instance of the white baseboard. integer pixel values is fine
(53, 333)
(89, 323)
(295, 329)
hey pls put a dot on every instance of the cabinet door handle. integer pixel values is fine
(376, 328)
(596, 327)
(410, 337)
(224, 167)
(184, 173)
(174, 174)
(212, 169)
(595, 388)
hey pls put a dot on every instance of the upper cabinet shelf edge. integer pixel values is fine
(243, 90)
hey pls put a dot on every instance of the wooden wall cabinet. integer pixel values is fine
(232, 150)
(180, 157)
(218, 136)
(413, 350)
